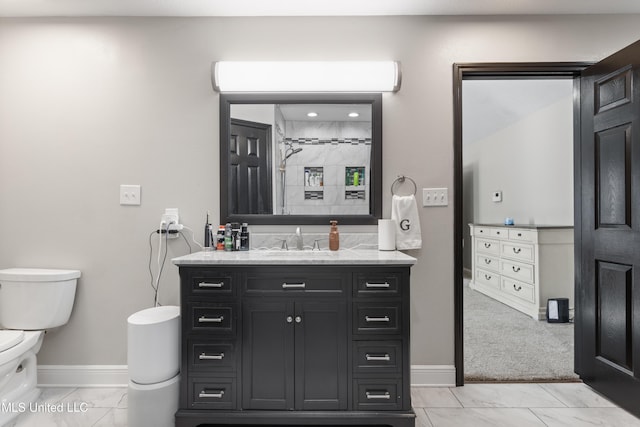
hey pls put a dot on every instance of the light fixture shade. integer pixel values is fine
(314, 76)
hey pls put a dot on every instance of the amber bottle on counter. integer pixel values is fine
(334, 236)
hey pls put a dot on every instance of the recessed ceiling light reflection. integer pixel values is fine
(312, 114)
(354, 114)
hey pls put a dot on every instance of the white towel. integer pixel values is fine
(404, 209)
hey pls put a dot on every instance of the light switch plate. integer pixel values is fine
(496, 196)
(130, 194)
(435, 197)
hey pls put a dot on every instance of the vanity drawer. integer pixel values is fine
(499, 233)
(216, 357)
(518, 251)
(491, 247)
(373, 357)
(213, 393)
(523, 291)
(214, 283)
(482, 231)
(522, 235)
(377, 284)
(488, 262)
(377, 395)
(281, 283)
(212, 318)
(488, 278)
(377, 318)
(517, 270)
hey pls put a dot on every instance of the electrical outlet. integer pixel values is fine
(130, 194)
(435, 197)
(496, 196)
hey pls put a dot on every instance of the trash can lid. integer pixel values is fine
(154, 315)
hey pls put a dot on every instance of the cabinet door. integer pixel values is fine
(267, 355)
(321, 355)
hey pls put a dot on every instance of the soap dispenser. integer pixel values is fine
(334, 236)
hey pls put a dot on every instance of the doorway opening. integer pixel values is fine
(477, 170)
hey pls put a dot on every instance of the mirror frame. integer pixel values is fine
(375, 189)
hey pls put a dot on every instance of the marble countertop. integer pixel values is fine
(293, 257)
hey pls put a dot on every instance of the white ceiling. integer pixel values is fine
(35, 8)
(491, 105)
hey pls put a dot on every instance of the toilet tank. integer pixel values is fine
(36, 298)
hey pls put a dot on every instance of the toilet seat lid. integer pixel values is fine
(10, 339)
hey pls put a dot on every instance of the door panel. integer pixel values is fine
(608, 188)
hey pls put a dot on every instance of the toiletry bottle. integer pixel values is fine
(220, 238)
(228, 238)
(356, 177)
(235, 234)
(207, 233)
(244, 237)
(334, 236)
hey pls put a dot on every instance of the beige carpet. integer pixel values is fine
(502, 344)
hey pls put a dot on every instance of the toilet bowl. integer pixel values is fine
(31, 301)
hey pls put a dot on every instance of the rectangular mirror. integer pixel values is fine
(300, 158)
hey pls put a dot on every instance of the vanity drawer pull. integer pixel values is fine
(204, 319)
(210, 285)
(377, 319)
(487, 261)
(294, 285)
(205, 356)
(377, 285)
(377, 395)
(373, 357)
(487, 245)
(518, 289)
(215, 395)
(487, 277)
(515, 269)
(517, 250)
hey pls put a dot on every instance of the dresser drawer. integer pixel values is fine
(522, 235)
(278, 283)
(377, 318)
(523, 291)
(482, 231)
(213, 357)
(517, 270)
(377, 395)
(488, 262)
(517, 251)
(377, 284)
(488, 278)
(213, 393)
(214, 283)
(212, 318)
(490, 247)
(373, 357)
(499, 233)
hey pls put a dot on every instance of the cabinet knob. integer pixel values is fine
(298, 319)
(289, 319)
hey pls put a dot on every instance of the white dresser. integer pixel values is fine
(523, 266)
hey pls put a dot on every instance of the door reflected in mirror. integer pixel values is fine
(295, 160)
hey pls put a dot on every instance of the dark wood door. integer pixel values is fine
(250, 168)
(267, 355)
(321, 355)
(608, 229)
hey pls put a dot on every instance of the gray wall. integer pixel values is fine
(89, 104)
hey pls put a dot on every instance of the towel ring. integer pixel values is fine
(400, 180)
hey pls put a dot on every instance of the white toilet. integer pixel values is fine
(31, 301)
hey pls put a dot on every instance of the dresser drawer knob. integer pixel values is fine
(205, 356)
(519, 234)
(517, 250)
(219, 394)
(204, 319)
(377, 285)
(210, 285)
(377, 319)
(515, 269)
(294, 285)
(375, 357)
(378, 395)
(517, 289)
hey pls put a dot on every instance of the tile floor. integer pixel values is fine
(476, 405)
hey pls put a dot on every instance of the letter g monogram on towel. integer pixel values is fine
(405, 224)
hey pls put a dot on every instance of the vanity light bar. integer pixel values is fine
(314, 76)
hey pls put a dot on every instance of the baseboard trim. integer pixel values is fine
(118, 375)
(433, 375)
(83, 375)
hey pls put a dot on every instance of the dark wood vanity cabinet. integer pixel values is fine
(295, 345)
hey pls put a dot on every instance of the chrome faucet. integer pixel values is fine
(299, 241)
